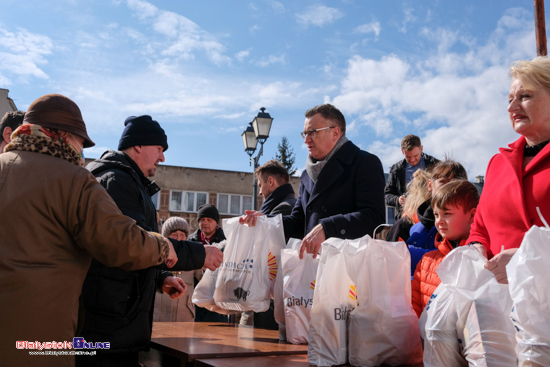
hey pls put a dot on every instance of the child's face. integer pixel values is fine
(453, 223)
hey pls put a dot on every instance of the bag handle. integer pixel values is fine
(376, 229)
(542, 218)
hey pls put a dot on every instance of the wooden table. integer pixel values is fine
(184, 342)
(296, 360)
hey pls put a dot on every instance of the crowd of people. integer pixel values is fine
(90, 260)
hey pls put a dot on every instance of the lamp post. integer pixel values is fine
(257, 131)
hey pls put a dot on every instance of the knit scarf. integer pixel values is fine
(38, 139)
(314, 167)
(276, 197)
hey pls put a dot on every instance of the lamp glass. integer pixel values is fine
(262, 125)
(249, 140)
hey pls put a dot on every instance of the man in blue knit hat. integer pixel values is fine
(119, 304)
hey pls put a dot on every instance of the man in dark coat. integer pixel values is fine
(119, 304)
(401, 173)
(341, 190)
(279, 198)
(209, 232)
(273, 183)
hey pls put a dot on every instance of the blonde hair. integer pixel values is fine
(532, 73)
(417, 193)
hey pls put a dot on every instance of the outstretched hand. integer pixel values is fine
(213, 258)
(250, 217)
(174, 287)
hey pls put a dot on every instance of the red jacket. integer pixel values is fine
(507, 207)
(425, 279)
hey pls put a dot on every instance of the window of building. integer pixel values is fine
(187, 201)
(234, 204)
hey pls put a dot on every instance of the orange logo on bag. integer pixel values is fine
(352, 292)
(312, 285)
(272, 266)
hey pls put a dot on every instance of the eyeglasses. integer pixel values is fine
(312, 133)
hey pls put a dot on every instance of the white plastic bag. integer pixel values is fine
(243, 278)
(298, 288)
(334, 298)
(482, 306)
(203, 295)
(528, 279)
(438, 330)
(279, 306)
(383, 329)
(276, 245)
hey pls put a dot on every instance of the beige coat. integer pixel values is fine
(55, 218)
(181, 309)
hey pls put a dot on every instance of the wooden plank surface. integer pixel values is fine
(297, 360)
(193, 340)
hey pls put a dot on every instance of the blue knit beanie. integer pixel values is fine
(142, 130)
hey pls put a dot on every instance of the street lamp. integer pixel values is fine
(257, 131)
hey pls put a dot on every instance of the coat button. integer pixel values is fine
(308, 209)
(324, 208)
(343, 231)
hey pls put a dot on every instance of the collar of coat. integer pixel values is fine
(444, 246)
(276, 197)
(332, 170)
(112, 159)
(514, 154)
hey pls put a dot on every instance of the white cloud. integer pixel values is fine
(318, 15)
(272, 59)
(183, 38)
(409, 18)
(455, 101)
(22, 52)
(276, 6)
(366, 28)
(243, 54)
(142, 9)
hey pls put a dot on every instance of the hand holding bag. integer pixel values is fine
(203, 295)
(243, 279)
(298, 288)
(528, 279)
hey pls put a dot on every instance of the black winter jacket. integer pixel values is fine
(119, 304)
(395, 187)
(218, 237)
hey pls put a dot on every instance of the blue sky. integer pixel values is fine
(434, 68)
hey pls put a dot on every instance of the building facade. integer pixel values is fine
(6, 103)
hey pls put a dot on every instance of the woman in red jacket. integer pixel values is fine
(517, 178)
